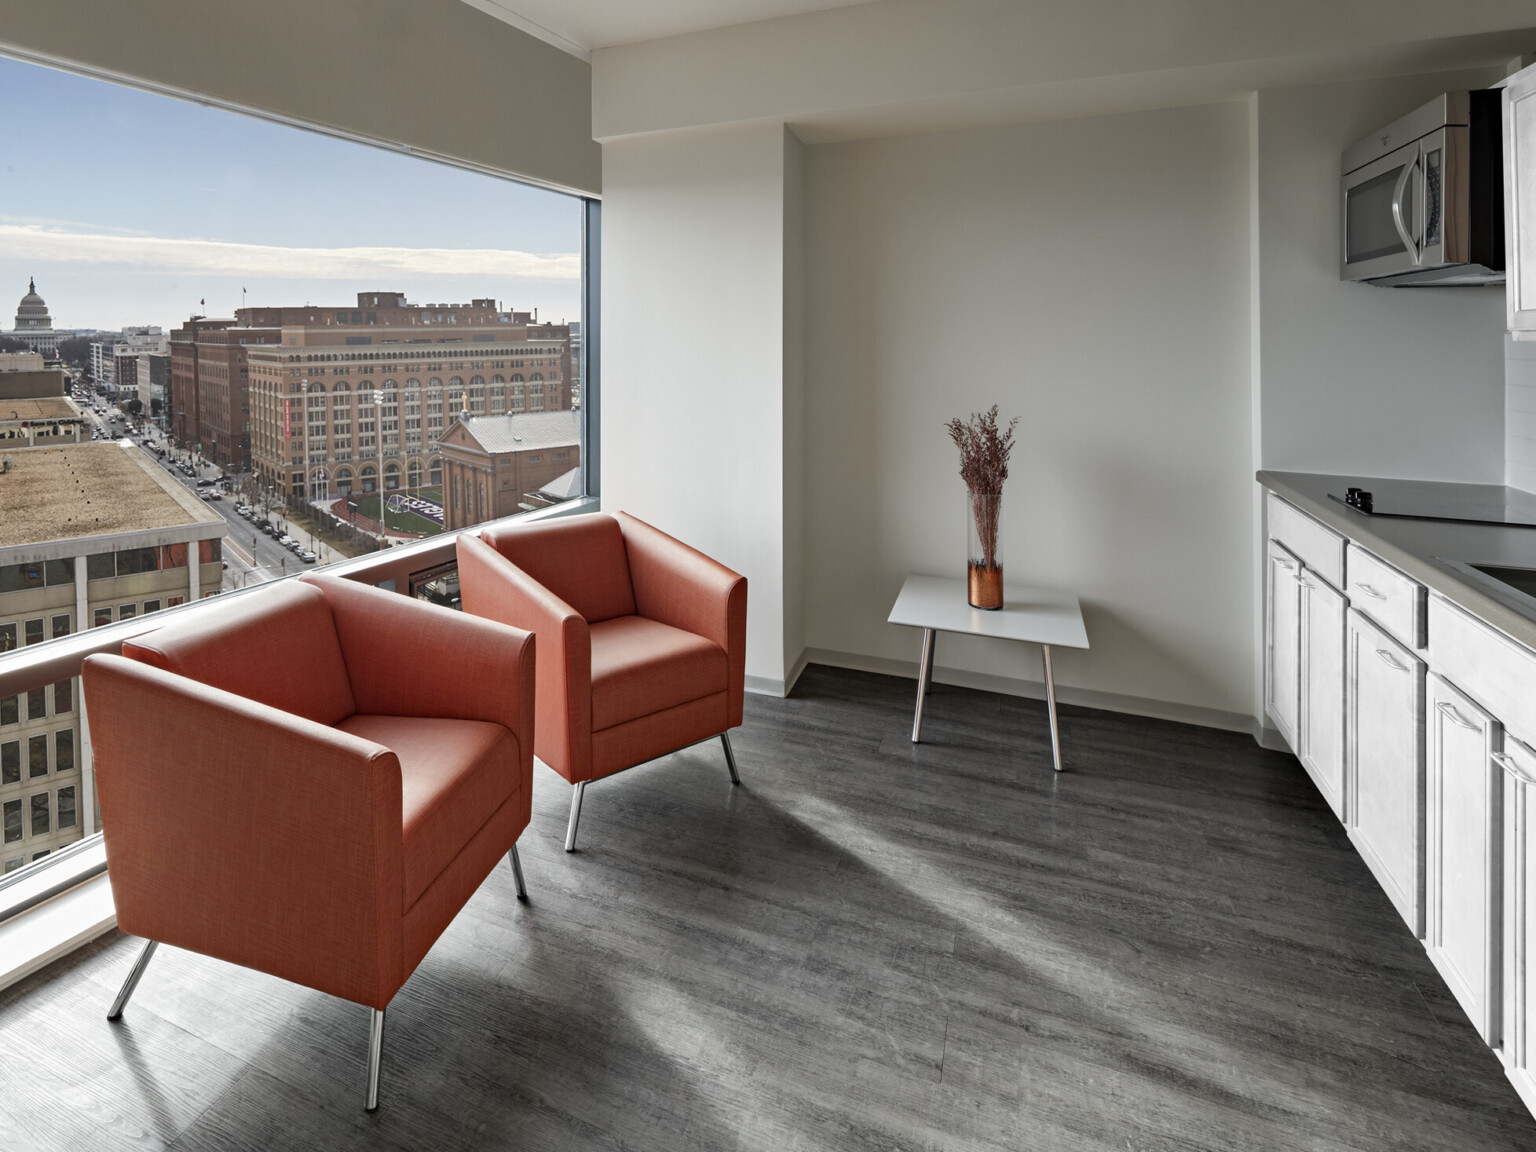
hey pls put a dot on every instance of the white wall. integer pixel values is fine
(1091, 277)
(1520, 413)
(700, 356)
(1354, 379)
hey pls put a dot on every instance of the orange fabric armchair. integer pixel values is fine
(311, 782)
(642, 640)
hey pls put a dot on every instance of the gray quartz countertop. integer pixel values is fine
(1429, 550)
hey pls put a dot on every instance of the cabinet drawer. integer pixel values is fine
(1485, 664)
(1320, 549)
(1385, 595)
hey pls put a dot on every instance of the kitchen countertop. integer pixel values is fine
(1425, 549)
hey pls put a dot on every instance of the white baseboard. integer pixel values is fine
(768, 686)
(1035, 690)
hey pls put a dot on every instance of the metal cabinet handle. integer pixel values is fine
(1448, 710)
(1369, 591)
(1511, 767)
(1391, 661)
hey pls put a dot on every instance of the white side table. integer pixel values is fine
(1036, 615)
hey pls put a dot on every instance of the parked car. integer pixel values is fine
(206, 483)
(306, 555)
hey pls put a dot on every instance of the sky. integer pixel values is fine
(130, 208)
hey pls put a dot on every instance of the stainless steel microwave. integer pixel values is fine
(1422, 200)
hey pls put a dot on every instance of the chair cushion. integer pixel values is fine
(277, 646)
(641, 666)
(581, 559)
(454, 774)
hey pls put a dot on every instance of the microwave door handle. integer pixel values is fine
(1397, 208)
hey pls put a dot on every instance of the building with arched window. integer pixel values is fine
(498, 465)
(429, 362)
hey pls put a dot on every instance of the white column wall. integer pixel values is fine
(694, 357)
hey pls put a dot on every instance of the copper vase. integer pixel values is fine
(984, 560)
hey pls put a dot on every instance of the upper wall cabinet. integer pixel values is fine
(1520, 202)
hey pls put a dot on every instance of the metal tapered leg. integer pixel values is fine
(570, 829)
(517, 870)
(1050, 703)
(134, 976)
(375, 1056)
(730, 757)
(924, 678)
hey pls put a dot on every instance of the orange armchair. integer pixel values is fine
(311, 781)
(642, 640)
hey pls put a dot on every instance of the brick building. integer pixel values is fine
(210, 398)
(497, 465)
(427, 360)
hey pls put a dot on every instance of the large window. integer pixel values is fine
(264, 338)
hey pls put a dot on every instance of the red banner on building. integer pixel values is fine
(287, 418)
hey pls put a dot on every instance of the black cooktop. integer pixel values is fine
(1470, 512)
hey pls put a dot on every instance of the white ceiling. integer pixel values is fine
(578, 26)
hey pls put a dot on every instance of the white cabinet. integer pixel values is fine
(1519, 917)
(1520, 203)
(1462, 852)
(1384, 757)
(1320, 735)
(1282, 641)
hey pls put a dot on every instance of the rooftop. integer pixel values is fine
(88, 490)
(526, 431)
(38, 408)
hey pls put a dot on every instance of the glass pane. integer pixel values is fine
(101, 616)
(37, 704)
(58, 572)
(1432, 198)
(100, 566)
(60, 626)
(67, 807)
(14, 863)
(63, 697)
(1370, 232)
(37, 756)
(12, 818)
(34, 631)
(10, 762)
(10, 710)
(42, 810)
(7, 637)
(64, 750)
(127, 611)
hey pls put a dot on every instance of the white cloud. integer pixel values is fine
(162, 254)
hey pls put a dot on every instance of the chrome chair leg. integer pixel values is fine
(134, 976)
(375, 1056)
(730, 757)
(517, 870)
(570, 831)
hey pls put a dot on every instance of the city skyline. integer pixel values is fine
(192, 204)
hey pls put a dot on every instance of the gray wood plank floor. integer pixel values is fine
(868, 945)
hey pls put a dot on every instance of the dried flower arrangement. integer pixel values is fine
(984, 451)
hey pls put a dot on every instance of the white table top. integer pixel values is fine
(1034, 614)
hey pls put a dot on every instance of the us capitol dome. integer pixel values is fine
(34, 325)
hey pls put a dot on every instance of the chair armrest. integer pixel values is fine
(492, 587)
(247, 833)
(681, 586)
(409, 658)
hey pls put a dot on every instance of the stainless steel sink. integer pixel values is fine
(1520, 579)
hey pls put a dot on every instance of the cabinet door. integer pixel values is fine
(1321, 726)
(1462, 861)
(1282, 642)
(1519, 915)
(1384, 763)
(1520, 203)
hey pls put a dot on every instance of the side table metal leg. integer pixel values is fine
(1050, 703)
(924, 678)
